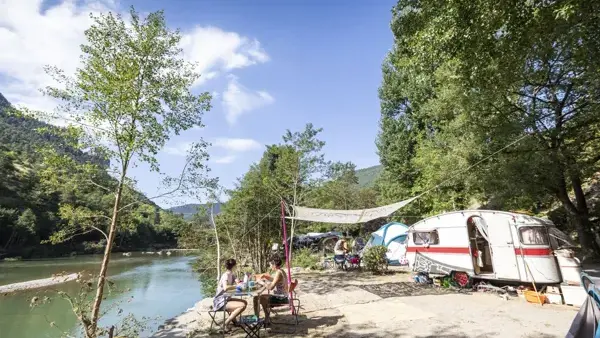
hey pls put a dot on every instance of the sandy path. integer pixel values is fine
(339, 305)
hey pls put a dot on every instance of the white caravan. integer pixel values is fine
(490, 245)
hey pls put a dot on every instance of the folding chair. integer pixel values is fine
(293, 302)
(213, 315)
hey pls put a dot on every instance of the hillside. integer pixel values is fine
(20, 135)
(367, 176)
(189, 210)
(29, 208)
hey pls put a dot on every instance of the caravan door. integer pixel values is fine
(504, 257)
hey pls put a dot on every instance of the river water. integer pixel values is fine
(157, 288)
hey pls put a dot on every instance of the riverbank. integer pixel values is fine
(37, 283)
(353, 304)
(24, 255)
(152, 288)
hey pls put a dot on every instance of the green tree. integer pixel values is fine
(130, 94)
(297, 166)
(466, 79)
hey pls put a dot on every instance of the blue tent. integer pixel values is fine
(393, 236)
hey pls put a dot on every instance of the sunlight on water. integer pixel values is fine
(159, 288)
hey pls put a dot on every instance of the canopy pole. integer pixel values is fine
(287, 259)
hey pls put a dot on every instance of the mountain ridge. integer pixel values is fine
(190, 209)
(366, 179)
(367, 176)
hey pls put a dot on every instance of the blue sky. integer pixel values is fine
(286, 63)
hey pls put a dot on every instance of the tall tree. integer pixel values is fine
(130, 94)
(479, 75)
(298, 165)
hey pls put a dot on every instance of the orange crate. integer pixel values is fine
(532, 297)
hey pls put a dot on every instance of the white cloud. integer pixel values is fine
(30, 39)
(237, 144)
(232, 146)
(210, 47)
(238, 100)
(179, 149)
(225, 159)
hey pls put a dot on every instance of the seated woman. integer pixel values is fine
(233, 306)
(340, 249)
(275, 291)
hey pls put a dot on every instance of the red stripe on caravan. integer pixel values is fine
(533, 251)
(438, 249)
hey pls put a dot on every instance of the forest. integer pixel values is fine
(30, 205)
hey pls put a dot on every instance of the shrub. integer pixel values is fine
(304, 258)
(374, 259)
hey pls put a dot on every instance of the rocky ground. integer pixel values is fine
(354, 304)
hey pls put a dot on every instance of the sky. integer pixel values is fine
(270, 65)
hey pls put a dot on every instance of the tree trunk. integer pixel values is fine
(584, 225)
(212, 219)
(10, 239)
(580, 213)
(91, 331)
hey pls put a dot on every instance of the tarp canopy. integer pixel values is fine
(346, 216)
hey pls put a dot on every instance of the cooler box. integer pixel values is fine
(573, 295)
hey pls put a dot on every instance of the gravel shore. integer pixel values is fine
(37, 283)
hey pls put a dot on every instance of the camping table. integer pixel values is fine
(245, 293)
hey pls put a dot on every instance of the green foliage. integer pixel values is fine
(374, 259)
(466, 79)
(129, 95)
(368, 176)
(306, 259)
(250, 222)
(38, 190)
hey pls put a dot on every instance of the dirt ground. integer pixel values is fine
(354, 304)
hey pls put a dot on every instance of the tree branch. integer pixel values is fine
(98, 185)
(179, 185)
(102, 232)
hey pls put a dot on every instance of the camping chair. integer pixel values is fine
(340, 261)
(294, 301)
(213, 316)
(354, 261)
(587, 321)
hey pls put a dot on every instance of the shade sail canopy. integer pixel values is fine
(346, 216)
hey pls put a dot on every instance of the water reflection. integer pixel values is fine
(156, 287)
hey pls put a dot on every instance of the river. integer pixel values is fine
(156, 287)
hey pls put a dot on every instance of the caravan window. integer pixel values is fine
(535, 235)
(424, 238)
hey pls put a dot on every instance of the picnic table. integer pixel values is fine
(250, 292)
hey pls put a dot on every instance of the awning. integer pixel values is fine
(346, 216)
